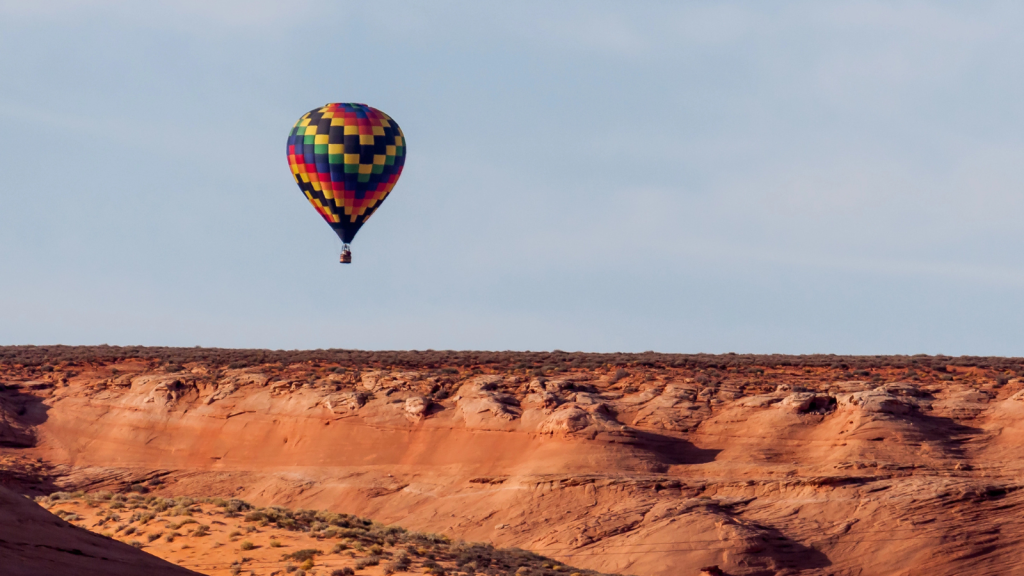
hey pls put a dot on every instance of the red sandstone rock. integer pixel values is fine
(656, 472)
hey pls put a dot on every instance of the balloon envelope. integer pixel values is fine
(346, 159)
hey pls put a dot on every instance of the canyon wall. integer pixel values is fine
(911, 466)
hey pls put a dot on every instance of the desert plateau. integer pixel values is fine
(577, 288)
(554, 463)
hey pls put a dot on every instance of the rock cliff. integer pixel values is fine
(759, 465)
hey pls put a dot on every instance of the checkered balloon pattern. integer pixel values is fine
(346, 159)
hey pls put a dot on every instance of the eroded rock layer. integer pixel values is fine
(643, 464)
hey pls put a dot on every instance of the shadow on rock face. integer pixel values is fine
(754, 550)
(671, 451)
(896, 420)
(20, 411)
(788, 555)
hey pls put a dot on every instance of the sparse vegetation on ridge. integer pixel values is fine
(452, 362)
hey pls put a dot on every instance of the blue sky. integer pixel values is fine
(790, 177)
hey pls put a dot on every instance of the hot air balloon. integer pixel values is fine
(346, 158)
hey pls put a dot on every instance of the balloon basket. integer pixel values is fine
(346, 256)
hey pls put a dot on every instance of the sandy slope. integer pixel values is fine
(34, 542)
(786, 470)
(223, 537)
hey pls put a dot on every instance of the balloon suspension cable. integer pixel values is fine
(346, 254)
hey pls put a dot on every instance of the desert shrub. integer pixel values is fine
(247, 545)
(180, 511)
(346, 571)
(368, 561)
(255, 516)
(302, 555)
(437, 538)
(306, 565)
(235, 506)
(339, 547)
(376, 550)
(171, 536)
(201, 530)
(129, 530)
(275, 544)
(154, 536)
(135, 543)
